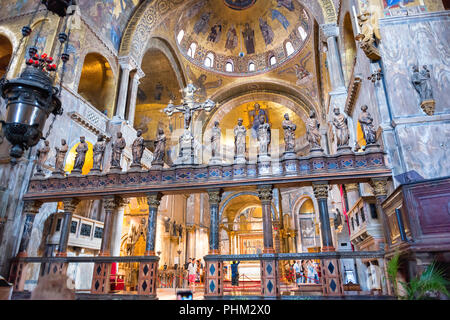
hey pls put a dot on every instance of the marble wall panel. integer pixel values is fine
(426, 148)
(407, 41)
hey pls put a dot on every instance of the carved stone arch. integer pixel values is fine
(163, 46)
(82, 59)
(149, 13)
(223, 204)
(276, 91)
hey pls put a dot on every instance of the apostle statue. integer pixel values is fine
(80, 158)
(174, 228)
(42, 154)
(160, 147)
(215, 140)
(240, 132)
(167, 224)
(264, 136)
(117, 149)
(341, 128)
(289, 133)
(421, 82)
(366, 121)
(137, 148)
(180, 230)
(312, 131)
(256, 113)
(60, 155)
(99, 150)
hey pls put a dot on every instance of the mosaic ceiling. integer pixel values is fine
(242, 37)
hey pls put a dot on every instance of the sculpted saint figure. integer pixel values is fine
(312, 131)
(366, 121)
(137, 148)
(160, 147)
(341, 128)
(117, 149)
(42, 154)
(215, 140)
(240, 133)
(60, 155)
(264, 135)
(99, 150)
(421, 82)
(80, 158)
(289, 133)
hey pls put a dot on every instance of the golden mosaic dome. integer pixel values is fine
(242, 37)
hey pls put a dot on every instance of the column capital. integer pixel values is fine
(265, 193)
(320, 190)
(215, 196)
(70, 204)
(110, 203)
(154, 199)
(351, 187)
(379, 186)
(32, 207)
(127, 63)
(330, 30)
(139, 74)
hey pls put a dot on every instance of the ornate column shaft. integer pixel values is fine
(265, 195)
(148, 271)
(69, 208)
(117, 229)
(18, 270)
(133, 95)
(102, 271)
(110, 205)
(124, 80)
(214, 200)
(269, 267)
(31, 209)
(213, 267)
(321, 194)
(153, 200)
(331, 275)
(331, 32)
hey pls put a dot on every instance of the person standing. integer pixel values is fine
(192, 270)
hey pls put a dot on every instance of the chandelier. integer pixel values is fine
(35, 94)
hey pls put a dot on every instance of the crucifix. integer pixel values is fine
(190, 103)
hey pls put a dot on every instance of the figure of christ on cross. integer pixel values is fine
(189, 105)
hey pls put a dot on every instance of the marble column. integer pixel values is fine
(148, 270)
(123, 89)
(214, 200)
(31, 209)
(153, 200)
(213, 267)
(18, 269)
(265, 195)
(331, 33)
(331, 274)
(379, 186)
(117, 230)
(321, 194)
(70, 205)
(69, 208)
(139, 74)
(102, 271)
(269, 266)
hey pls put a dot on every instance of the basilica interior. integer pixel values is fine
(306, 140)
